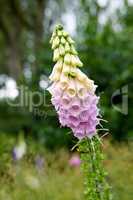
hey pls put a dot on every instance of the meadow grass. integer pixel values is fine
(56, 180)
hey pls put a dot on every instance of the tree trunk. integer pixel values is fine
(14, 62)
(39, 29)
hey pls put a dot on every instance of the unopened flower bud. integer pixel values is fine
(79, 63)
(81, 76)
(59, 33)
(63, 41)
(67, 59)
(66, 69)
(56, 55)
(53, 34)
(74, 70)
(73, 51)
(61, 50)
(52, 38)
(73, 60)
(67, 47)
(69, 39)
(54, 76)
(56, 42)
(58, 66)
(65, 34)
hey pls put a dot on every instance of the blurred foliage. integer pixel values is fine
(23, 180)
(105, 49)
(107, 54)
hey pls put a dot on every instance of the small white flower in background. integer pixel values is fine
(20, 149)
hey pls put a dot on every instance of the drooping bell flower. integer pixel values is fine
(73, 93)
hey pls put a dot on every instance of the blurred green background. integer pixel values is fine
(103, 31)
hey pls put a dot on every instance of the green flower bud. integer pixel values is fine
(56, 42)
(56, 55)
(73, 60)
(58, 27)
(59, 33)
(67, 47)
(73, 51)
(79, 63)
(65, 34)
(53, 34)
(52, 38)
(74, 70)
(66, 68)
(76, 61)
(67, 59)
(61, 50)
(69, 39)
(63, 41)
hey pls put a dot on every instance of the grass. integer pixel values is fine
(57, 180)
(119, 165)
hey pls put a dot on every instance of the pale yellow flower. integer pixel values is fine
(63, 41)
(54, 76)
(66, 69)
(63, 81)
(71, 90)
(81, 89)
(56, 55)
(81, 76)
(67, 59)
(73, 60)
(67, 47)
(55, 43)
(61, 50)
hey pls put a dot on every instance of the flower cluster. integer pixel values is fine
(73, 93)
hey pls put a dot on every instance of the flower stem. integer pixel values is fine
(96, 186)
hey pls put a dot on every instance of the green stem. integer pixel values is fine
(96, 186)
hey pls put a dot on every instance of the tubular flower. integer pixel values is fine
(73, 93)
